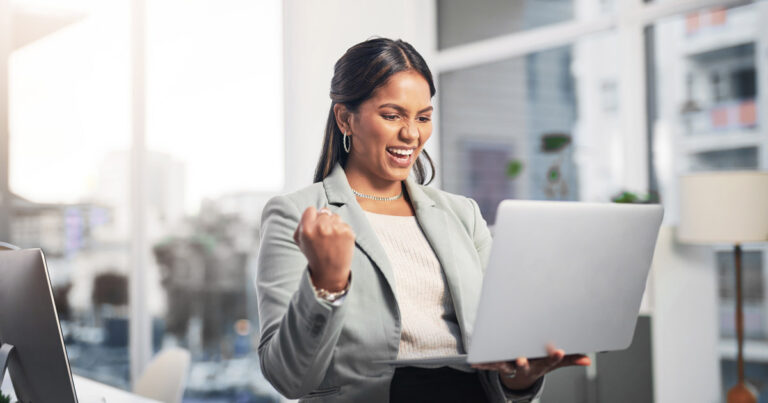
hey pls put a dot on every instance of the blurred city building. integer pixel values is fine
(712, 95)
(206, 268)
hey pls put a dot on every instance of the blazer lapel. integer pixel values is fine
(340, 195)
(434, 223)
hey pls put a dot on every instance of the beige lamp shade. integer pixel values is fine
(724, 207)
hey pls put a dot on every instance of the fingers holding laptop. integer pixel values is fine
(522, 373)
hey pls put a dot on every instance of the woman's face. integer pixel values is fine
(390, 128)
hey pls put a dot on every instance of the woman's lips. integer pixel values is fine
(401, 161)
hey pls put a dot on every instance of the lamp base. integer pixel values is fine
(742, 393)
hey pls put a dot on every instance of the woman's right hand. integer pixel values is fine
(328, 244)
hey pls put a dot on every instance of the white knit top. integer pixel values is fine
(429, 325)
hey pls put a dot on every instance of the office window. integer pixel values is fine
(215, 155)
(69, 115)
(516, 129)
(721, 90)
(462, 22)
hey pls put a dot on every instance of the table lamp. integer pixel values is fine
(729, 207)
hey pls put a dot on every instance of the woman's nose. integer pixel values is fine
(409, 131)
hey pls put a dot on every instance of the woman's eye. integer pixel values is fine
(389, 117)
(424, 119)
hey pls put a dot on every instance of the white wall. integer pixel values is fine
(686, 362)
(316, 34)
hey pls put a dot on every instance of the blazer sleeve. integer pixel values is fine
(298, 331)
(482, 238)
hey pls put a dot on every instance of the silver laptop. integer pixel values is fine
(562, 273)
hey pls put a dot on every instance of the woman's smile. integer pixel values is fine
(402, 157)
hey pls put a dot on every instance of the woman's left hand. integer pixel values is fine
(527, 372)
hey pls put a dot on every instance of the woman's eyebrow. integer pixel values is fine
(402, 110)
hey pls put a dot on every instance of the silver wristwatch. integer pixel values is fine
(331, 296)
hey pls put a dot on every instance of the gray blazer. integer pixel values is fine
(317, 351)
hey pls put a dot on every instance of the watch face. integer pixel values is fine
(329, 296)
(333, 296)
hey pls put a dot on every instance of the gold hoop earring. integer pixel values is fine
(347, 142)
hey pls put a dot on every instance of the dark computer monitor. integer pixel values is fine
(38, 363)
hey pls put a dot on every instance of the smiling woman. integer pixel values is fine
(417, 255)
(386, 135)
(365, 68)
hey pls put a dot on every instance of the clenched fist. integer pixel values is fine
(328, 243)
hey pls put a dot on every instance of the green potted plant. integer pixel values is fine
(634, 198)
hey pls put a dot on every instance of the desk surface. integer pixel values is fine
(90, 391)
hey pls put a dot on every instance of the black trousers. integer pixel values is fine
(412, 384)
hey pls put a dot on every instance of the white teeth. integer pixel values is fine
(401, 152)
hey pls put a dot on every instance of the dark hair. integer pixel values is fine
(364, 68)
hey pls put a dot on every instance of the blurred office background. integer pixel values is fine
(140, 140)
